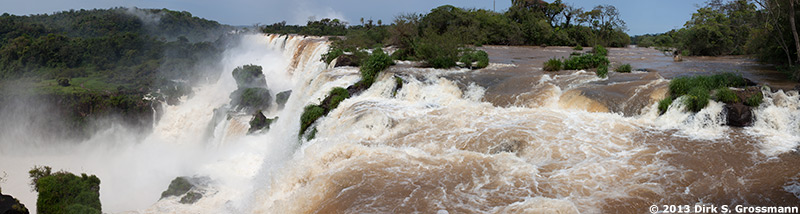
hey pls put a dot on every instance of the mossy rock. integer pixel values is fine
(177, 187)
(250, 99)
(260, 122)
(249, 76)
(191, 197)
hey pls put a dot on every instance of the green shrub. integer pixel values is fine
(483, 59)
(755, 99)
(600, 50)
(585, 61)
(310, 114)
(469, 56)
(578, 48)
(64, 192)
(602, 71)
(681, 85)
(552, 65)
(726, 95)
(63, 81)
(625, 68)
(664, 104)
(438, 51)
(697, 99)
(373, 65)
(255, 98)
(337, 95)
(332, 54)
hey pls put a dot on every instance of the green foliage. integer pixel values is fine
(438, 51)
(249, 76)
(260, 122)
(720, 29)
(373, 65)
(64, 192)
(324, 27)
(697, 99)
(80, 209)
(332, 54)
(726, 95)
(681, 85)
(255, 98)
(664, 104)
(37, 173)
(310, 114)
(578, 48)
(602, 71)
(585, 61)
(697, 88)
(337, 95)
(552, 65)
(63, 82)
(600, 50)
(469, 56)
(624, 68)
(755, 100)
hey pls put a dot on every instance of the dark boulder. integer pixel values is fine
(282, 97)
(190, 189)
(346, 60)
(10, 205)
(738, 115)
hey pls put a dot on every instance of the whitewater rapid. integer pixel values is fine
(437, 145)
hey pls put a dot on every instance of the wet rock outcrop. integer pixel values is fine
(252, 93)
(738, 115)
(189, 189)
(260, 122)
(282, 97)
(10, 205)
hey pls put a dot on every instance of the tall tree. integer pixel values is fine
(794, 29)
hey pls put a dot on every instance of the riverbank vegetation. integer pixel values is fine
(699, 89)
(439, 37)
(766, 29)
(64, 192)
(95, 63)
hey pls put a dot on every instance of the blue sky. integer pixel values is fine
(641, 16)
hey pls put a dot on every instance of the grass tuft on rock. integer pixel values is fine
(552, 65)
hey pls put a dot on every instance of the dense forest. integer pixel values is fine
(765, 29)
(104, 61)
(440, 37)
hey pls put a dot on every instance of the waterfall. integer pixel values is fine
(445, 142)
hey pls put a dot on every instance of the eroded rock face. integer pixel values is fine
(10, 205)
(739, 115)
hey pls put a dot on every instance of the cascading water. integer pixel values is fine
(447, 141)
